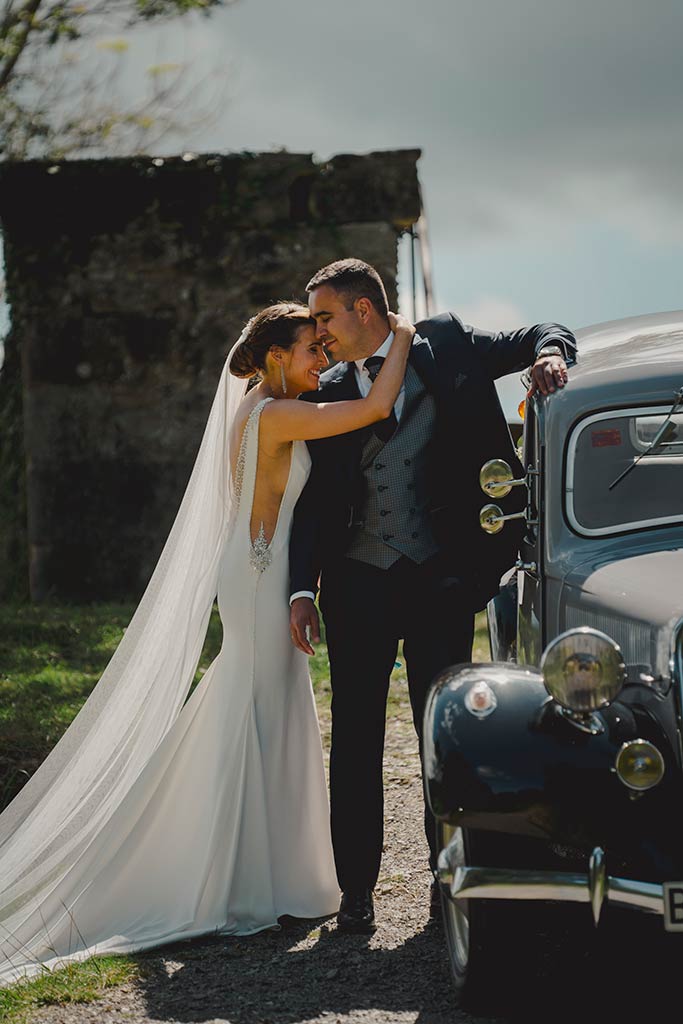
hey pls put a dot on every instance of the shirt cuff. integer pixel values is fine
(555, 341)
(302, 593)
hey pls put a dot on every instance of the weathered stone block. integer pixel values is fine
(129, 281)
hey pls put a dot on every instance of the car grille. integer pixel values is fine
(634, 638)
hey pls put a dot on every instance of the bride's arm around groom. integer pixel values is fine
(458, 364)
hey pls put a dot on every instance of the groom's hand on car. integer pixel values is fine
(304, 625)
(547, 374)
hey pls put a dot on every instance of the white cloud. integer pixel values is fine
(492, 313)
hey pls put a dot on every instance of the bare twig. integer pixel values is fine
(52, 105)
(24, 26)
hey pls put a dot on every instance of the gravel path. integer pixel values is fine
(307, 972)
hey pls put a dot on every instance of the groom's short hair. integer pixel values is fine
(352, 279)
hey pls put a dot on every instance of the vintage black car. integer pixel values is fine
(556, 771)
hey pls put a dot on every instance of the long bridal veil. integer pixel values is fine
(78, 787)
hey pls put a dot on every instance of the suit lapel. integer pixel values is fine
(340, 383)
(421, 358)
(343, 386)
(349, 384)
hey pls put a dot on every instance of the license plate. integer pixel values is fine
(673, 906)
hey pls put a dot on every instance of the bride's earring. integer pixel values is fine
(282, 378)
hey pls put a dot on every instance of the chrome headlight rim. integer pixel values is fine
(612, 651)
(628, 748)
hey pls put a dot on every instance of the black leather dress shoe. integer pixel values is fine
(434, 902)
(356, 913)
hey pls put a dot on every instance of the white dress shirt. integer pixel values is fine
(364, 384)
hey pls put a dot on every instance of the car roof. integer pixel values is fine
(638, 347)
(635, 360)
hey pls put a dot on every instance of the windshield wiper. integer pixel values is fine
(656, 440)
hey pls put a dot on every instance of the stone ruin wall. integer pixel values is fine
(128, 281)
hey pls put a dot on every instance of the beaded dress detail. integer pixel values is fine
(260, 555)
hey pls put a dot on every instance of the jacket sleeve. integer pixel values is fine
(504, 352)
(306, 536)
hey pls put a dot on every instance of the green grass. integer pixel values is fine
(75, 983)
(51, 656)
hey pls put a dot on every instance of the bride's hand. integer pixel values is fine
(402, 328)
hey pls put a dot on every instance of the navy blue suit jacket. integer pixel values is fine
(458, 364)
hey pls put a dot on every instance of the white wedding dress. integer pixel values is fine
(225, 827)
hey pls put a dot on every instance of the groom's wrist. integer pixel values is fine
(301, 593)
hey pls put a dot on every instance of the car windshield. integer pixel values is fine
(601, 448)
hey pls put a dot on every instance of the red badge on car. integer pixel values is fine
(605, 438)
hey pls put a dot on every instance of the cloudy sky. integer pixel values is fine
(551, 132)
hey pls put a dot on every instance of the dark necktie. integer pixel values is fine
(383, 428)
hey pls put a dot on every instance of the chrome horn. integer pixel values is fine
(496, 479)
(492, 519)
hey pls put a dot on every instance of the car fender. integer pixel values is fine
(520, 766)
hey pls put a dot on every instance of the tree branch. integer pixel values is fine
(27, 16)
(54, 99)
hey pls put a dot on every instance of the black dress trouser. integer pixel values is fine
(366, 611)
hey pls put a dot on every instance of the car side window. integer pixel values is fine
(616, 481)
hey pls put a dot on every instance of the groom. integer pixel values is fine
(389, 520)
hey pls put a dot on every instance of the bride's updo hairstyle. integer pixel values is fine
(275, 325)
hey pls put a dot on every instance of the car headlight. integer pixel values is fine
(583, 670)
(639, 765)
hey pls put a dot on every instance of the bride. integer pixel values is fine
(156, 819)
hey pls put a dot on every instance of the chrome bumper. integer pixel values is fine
(513, 884)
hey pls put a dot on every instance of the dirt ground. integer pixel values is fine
(307, 972)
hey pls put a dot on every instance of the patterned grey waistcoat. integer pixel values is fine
(394, 517)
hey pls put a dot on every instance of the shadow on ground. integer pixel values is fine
(294, 976)
(285, 978)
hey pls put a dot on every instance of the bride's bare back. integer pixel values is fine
(272, 470)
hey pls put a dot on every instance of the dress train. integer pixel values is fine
(226, 828)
